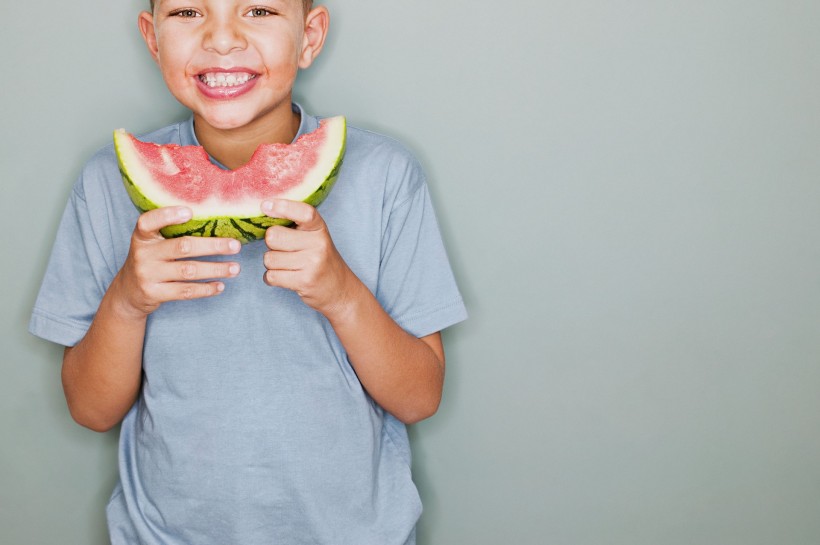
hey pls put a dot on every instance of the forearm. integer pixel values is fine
(403, 373)
(103, 372)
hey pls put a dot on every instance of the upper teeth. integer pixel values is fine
(225, 80)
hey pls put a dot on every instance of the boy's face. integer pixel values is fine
(232, 62)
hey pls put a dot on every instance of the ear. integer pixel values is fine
(317, 23)
(145, 22)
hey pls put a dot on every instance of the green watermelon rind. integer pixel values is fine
(244, 229)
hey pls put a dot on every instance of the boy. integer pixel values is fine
(262, 391)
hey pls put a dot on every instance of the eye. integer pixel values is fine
(259, 12)
(185, 13)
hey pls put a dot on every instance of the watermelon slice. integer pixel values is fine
(226, 203)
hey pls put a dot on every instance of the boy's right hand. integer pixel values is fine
(153, 273)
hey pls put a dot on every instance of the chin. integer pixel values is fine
(226, 122)
(237, 114)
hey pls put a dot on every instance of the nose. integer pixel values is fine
(223, 36)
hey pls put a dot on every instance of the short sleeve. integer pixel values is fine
(416, 284)
(75, 280)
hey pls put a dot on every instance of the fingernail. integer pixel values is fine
(267, 206)
(220, 287)
(234, 245)
(233, 269)
(184, 213)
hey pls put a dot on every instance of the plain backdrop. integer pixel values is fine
(629, 195)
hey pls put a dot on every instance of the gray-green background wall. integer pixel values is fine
(629, 194)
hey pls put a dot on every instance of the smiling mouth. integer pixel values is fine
(222, 79)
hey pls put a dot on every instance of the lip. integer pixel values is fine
(226, 93)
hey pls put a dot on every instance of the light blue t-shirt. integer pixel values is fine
(251, 427)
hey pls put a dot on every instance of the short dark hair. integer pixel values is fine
(306, 5)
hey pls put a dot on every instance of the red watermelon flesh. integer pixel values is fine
(226, 202)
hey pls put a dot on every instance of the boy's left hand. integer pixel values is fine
(305, 259)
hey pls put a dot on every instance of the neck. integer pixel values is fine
(234, 147)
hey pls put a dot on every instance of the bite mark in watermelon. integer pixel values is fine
(226, 203)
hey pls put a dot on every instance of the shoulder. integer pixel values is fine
(375, 147)
(382, 159)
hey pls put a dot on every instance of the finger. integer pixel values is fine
(283, 239)
(284, 261)
(181, 291)
(184, 247)
(149, 223)
(282, 279)
(302, 214)
(190, 271)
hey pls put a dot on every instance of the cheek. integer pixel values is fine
(281, 56)
(172, 51)
(171, 70)
(173, 64)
